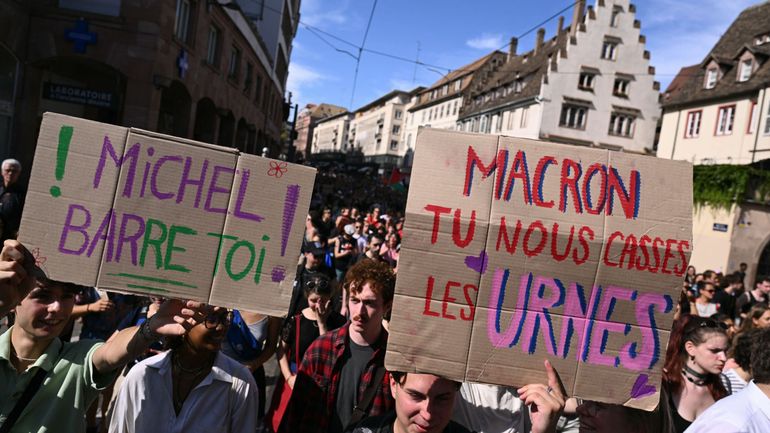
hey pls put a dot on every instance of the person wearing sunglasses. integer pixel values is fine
(298, 334)
(191, 387)
(704, 303)
(692, 382)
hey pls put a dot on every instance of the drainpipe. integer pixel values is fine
(759, 121)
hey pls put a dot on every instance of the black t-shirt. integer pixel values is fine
(343, 263)
(726, 302)
(347, 391)
(308, 332)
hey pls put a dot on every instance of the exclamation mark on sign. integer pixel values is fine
(289, 209)
(65, 136)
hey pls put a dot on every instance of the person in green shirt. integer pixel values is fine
(73, 372)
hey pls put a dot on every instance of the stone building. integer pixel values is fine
(718, 112)
(589, 85)
(307, 120)
(192, 68)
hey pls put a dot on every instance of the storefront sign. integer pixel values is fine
(78, 95)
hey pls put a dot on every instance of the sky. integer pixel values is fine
(452, 33)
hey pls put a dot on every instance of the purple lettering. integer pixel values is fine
(153, 181)
(213, 188)
(69, 226)
(238, 212)
(131, 239)
(186, 180)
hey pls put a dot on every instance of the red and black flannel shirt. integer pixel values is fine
(314, 395)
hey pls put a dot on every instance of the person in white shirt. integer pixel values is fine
(191, 388)
(749, 410)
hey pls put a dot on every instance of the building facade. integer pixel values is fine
(376, 129)
(590, 85)
(331, 135)
(307, 120)
(191, 68)
(718, 112)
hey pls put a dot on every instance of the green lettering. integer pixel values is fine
(171, 248)
(228, 260)
(258, 273)
(221, 237)
(155, 243)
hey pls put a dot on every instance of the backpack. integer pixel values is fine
(241, 339)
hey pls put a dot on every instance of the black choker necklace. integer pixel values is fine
(693, 376)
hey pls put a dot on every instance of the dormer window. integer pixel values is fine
(744, 71)
(711, 78)
(762, 39)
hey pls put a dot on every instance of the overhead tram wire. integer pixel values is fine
(360, 53)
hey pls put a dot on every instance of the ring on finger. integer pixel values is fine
(549, 389)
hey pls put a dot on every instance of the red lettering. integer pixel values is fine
(521, 172)
(537, 181)
(428, 298)
(448, 299)
(437, 211)
(584, 244)
(554, 238)
(460, 242)
(656, 252)
(609, 246)
(570, 183)
(474, 161)
(532, 252)
(469, 301)
(668, 255)
(503, 234)
(602, 199)
(629, 249)
(683, 257)
(629, 199)
(643, 248)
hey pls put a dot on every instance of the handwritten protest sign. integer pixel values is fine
(517, 251)
(132, 210)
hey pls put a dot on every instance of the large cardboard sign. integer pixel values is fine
(517, 251)
(132, 210)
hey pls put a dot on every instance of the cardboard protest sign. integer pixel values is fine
(131, 210)
(516, 251)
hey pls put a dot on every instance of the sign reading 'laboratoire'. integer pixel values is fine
(517, 251)
(131, 210)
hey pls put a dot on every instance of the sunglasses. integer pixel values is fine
(711, 324)
(319, 284)
(214, 319)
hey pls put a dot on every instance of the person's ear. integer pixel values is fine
(689, 347)
(393, 385)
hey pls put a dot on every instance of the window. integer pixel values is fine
(767, 121)
(616, 10)
(752, 116)
(430, 115)
(445, 89)
(393, 145)
(258, 89)
(396, 129)
(212, 55)
(744, 73)
(423, 117)
(484, 124)
(622, 125)
(573, 116)
(711, 78)
(454, 108)
(586, 81)
(442, 111)
(692, 127)
(609, 50)
(458, 84)
(499, 122)
(762, 39)
(249, 77)
(725, 120)
(523, 121)
(621, 87)
(235, 63)
(182, 23)
(409, 141)
(398, 114)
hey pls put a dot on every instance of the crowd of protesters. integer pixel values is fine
(182, 366)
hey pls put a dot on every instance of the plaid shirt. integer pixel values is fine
(315, 390)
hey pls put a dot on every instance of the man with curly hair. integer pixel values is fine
(749, 410)
(342, 377)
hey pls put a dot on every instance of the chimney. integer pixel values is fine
(561, 25)
(512, 48)
(577, 16)
(539, 41)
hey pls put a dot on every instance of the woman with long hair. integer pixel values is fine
(299, 333)
(191, 387)
(696, 355)
(757, 317)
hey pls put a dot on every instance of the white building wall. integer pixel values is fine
(629, 60)
(374, 129)
(522, 121)
(443, 115)
(331, 135)
(737, 147)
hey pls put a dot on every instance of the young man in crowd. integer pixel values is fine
(343, 366)
(426, 403)
(46, 384)
(752, 297)
(747, 411)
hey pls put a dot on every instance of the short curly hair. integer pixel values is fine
(742, 348)
(379, 275)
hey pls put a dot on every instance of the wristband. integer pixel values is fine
(147, 333)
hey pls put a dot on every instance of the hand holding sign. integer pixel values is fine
(16, 270)
(547, 402)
